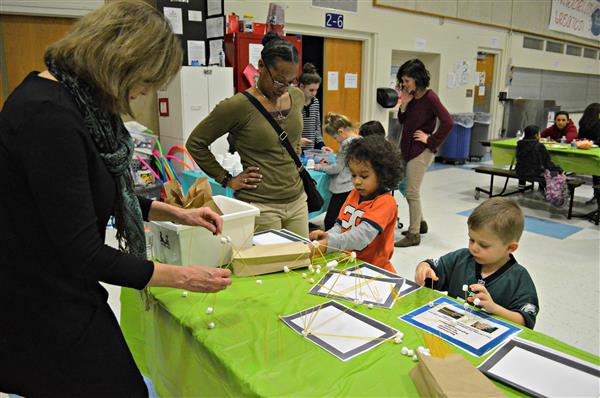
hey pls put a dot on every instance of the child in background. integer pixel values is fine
(562, 127)
(367, 219)
(533, 158)
(502, 286)
(340, 184)
(371, 128)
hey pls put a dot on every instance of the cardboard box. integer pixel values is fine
(265, 259)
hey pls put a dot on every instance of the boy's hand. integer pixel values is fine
(485, 299)
(320, 250)
(317, 235)
(423, 272)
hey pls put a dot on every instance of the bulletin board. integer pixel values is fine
(200, 25)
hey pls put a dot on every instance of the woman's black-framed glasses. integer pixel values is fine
(277, 83)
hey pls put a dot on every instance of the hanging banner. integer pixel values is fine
(576, 17)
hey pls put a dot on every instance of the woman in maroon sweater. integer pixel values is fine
(562, 127)
(420, 111)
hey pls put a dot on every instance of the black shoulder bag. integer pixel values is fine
(313, 197)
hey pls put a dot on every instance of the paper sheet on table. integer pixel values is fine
(269, 238)
(174, 16)
(543, 371)
(352, 287)
(215, 47)
(367, 269)
(340, 330)
(213, 7)
(214, 27)
(196, 52)
(471, 331)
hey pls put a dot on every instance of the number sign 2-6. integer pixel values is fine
(335, 21)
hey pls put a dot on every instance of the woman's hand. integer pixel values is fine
(192, 278)
(305, 141)
(406, 98)
(421, 136)
(203, 217)
(247, 179)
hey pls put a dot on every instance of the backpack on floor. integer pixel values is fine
(556, 188)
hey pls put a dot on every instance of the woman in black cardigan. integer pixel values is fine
(65, 155)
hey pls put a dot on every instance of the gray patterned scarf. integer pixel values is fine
(116, 149)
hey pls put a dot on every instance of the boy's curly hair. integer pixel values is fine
(384, 157)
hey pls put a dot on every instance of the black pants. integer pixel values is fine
(333, 210)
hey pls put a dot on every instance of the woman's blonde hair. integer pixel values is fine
(334, 122)
(117, 47)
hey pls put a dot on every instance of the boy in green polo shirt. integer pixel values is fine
(502, 286)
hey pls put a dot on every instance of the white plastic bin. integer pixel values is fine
(185, 245)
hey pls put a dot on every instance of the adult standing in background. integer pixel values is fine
(66, 160)
(589, 129)
(270, 180)
(309, 82)
(419, 114)
(562, 127)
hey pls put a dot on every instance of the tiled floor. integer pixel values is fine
(565, 271)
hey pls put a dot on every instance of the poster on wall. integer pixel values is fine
(580, 18)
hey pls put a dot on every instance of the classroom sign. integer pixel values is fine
(576, 17)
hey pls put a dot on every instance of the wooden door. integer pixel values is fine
(25, 39)
(343, 57)
(483, 89)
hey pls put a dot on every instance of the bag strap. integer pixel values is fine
(281, 134)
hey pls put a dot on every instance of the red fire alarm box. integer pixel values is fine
(163, 107)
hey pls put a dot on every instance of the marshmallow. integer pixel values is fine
(223, 240)
(466, 306)
(404, 350)
(465, 288)
(397, 340)
(318, 271)
(415, 358)
(370, 306)
(476, 301)
(400, 334)
(209, 310)
(304, 275)
(211, 325)
(286, 269)
(358, 301)
(353, 255)
(315, 243)
(311, 280)
(305, 332)
(184, 294)
(410, 353)
(346, 272)
(259, 281)
(332, 264)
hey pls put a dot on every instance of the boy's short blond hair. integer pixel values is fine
(502, 216)
(117, 47)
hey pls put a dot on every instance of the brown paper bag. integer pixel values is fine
(451, 376)
(265, 259)
(199, 195)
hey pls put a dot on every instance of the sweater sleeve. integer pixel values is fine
(61, 191)
(571, 133)
(547, 132)
(222, 119)
(446, 123)
(145, 205)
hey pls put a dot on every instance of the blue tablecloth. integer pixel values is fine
(189, 177)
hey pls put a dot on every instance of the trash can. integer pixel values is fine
(479, 132)
(456, 147)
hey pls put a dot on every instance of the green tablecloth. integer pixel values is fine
(252, 353)
(189, 177)
(580, 161)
